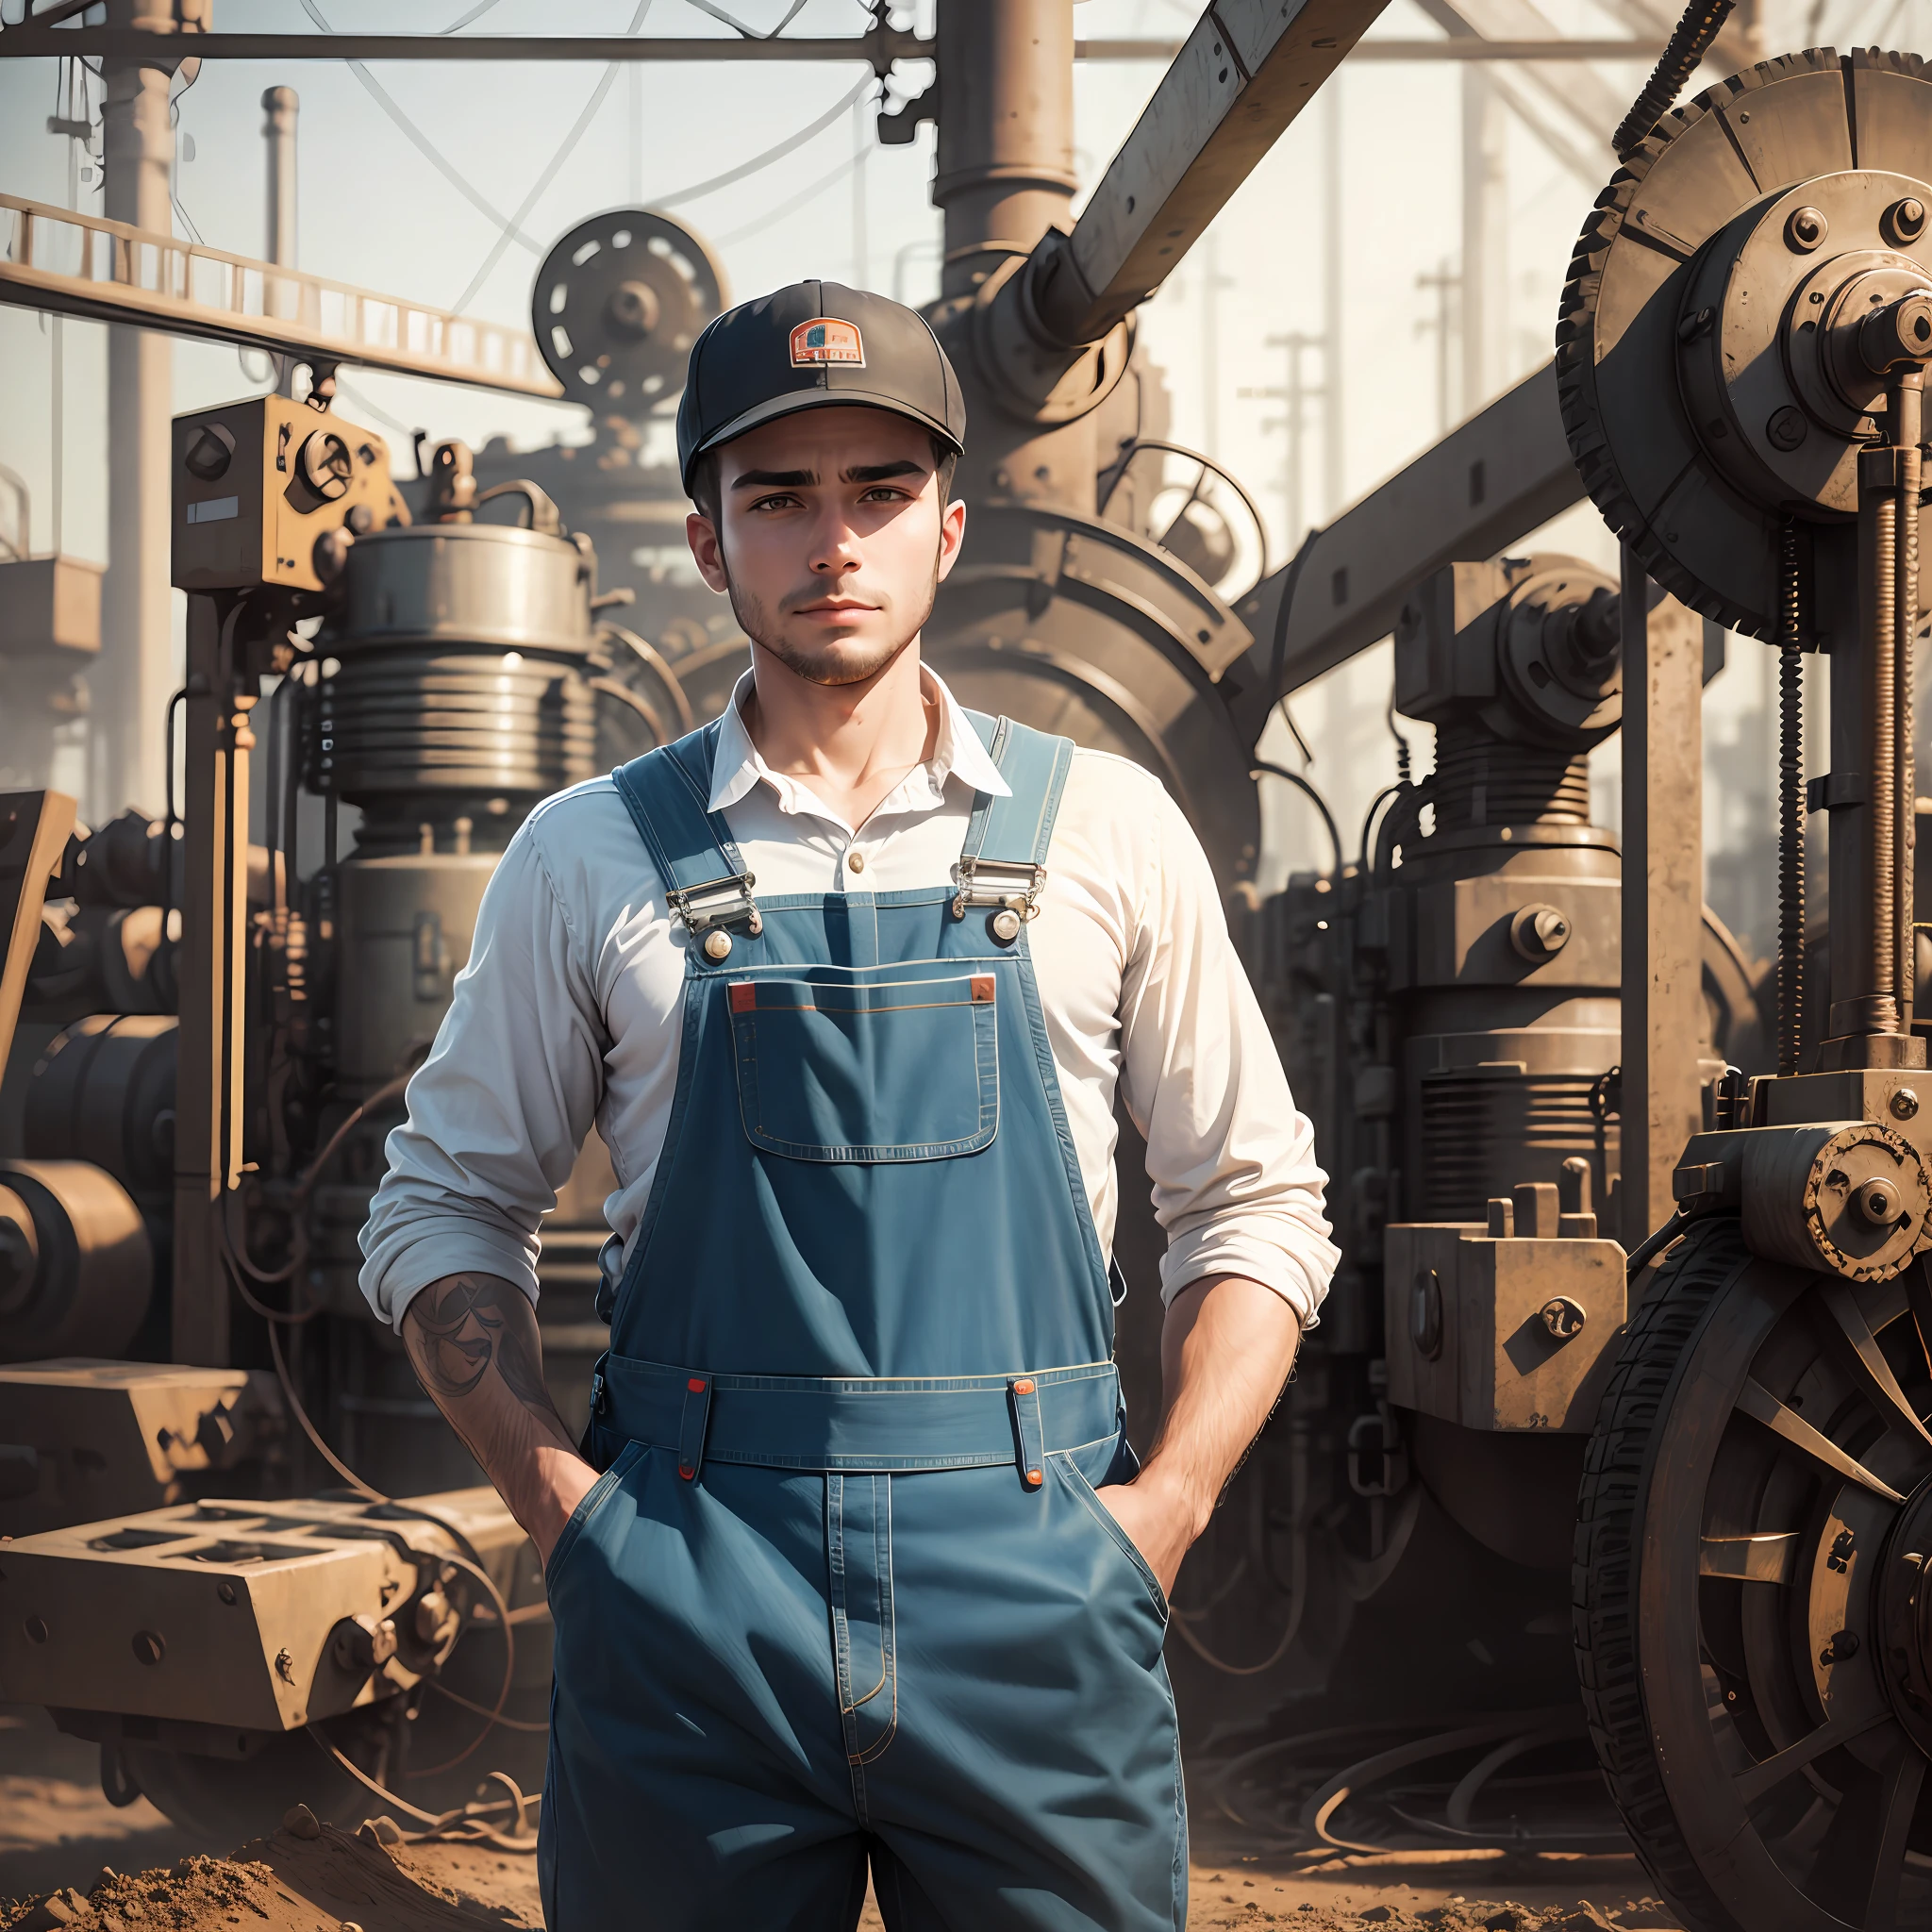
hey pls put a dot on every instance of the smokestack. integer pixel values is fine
(283, 299)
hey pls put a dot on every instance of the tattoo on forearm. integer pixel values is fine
(471, 1324)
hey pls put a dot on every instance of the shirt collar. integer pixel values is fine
(740, 765)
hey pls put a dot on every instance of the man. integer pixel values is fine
(849, 981)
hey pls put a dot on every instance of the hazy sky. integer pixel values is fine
(374, 211)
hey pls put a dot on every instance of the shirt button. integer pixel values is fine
(856, 860)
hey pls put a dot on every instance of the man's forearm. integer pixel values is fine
(474, 1342)
(1226, 1348)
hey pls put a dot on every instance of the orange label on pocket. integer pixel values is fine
(982, 988)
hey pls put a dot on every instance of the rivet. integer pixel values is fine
(1005, 926)
(1034, 1477)
(855, 859)
(717, 946)
(696, 1384)
(149, 1648)
(1905, 1104)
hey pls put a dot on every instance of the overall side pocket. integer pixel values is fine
(593, 1500)
(1090, 1499)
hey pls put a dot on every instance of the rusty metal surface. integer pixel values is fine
(252, 1616)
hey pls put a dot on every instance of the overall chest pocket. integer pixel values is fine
(876, 1071)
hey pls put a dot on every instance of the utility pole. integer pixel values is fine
(1213, 283)
(137, 668)
(863, 113)
(1445, 282)
(1332, 361)
(1295, 392)
(1485, 239)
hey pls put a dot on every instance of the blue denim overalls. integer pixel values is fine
(844, 1591)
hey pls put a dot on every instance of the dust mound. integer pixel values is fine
(1461, 1915)
(286, 1883)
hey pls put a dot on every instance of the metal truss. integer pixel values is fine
(77, 264)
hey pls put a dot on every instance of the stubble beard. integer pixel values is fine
(835, 662)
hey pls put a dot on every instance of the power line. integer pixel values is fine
(789, 207)
(770, 155)
(550, 173)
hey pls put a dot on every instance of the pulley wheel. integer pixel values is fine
(1701, 347)
(617, 305)
(1754, 1629)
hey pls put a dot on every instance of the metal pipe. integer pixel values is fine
(282, 299)
(1790, 808)
(1005, 169)
(136, 670)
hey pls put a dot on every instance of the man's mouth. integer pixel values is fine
(833, 607)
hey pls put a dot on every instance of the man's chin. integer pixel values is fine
(835, 661)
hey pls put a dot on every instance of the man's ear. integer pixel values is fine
(707, 553)
(952, 534)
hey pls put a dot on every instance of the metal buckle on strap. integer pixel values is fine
(1007, 886)
(718, 901)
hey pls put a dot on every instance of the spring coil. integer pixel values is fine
(1791, 805)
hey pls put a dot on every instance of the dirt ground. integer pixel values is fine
(68, 1858)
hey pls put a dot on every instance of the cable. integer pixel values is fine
(801, 199)
(1688, 43)
(551, 169)
(1315, 797)
(718, 13)
(770, 154)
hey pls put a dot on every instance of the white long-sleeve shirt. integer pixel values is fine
(569, 1012)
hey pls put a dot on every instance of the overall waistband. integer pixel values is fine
(877, 1423)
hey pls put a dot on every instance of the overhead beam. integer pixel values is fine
(1488, 484)
(1239, 79)
(879, 48)
(879, 52)
(151, 281)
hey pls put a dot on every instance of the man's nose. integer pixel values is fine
(834, 549)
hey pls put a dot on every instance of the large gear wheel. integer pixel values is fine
(1700, 403)
(617, 305)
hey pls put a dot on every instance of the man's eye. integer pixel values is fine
(782, 500)
(885, 492)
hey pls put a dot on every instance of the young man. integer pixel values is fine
(849, 981)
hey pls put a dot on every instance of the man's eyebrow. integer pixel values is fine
(881, 472)
(774, 479)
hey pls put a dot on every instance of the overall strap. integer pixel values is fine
(667, 793)
(1003, 861)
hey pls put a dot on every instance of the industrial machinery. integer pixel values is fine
(1725, 1346)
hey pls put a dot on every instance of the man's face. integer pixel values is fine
(830, 539)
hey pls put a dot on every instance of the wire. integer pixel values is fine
(801, 199)
(718, 13)
(550, 171)
(1118, 470)
(1320, 804)
(773, 154)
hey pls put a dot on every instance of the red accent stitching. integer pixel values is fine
(685, 1471)
(744, 997)
(696, 1384)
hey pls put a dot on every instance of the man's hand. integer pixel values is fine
(473, 1341)
(1225, 1351)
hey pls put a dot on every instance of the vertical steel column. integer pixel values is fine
(1005, 174)
(129, 690)
(280, 106)
(211, 973)
(1004, 171)
(1663, 897)
(1333, 470)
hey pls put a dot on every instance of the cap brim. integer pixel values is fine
(790, 405)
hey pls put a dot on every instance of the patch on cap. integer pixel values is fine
(825, 339)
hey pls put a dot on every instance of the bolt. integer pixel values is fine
(1786, 429)
(1806, 230)
(1905, 1104)
(1905, 220)
(1878, 1201)
(1899, 335)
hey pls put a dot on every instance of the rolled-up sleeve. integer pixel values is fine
(1231, 1159)
(498, 1111)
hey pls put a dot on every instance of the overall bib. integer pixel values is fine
(843, 1591)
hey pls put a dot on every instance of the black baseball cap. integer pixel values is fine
(809, 346)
